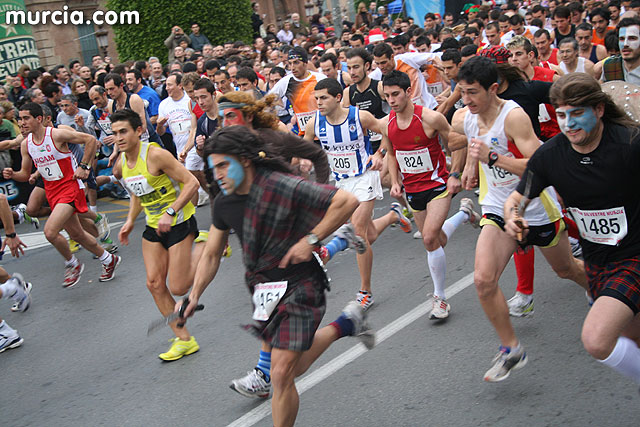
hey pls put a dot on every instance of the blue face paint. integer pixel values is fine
(235, 175)
(586, 121)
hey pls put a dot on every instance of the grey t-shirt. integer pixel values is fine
(65, 119)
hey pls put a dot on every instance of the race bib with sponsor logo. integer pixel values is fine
(266, 297)
(605, 227)
(50, 169)
(416, 161)
(343, 163)
(138, 185)
(303, 119)
(180, 127)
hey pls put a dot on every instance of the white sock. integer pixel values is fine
(113, 179)
(105, 258)
(438, 267)
(20, 216)
(9, 288)
(625, 358)
(451, 224)
(72, 262)
(94, 209)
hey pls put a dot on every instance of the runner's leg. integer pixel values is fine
(563, 263)
(285, 400)
(361, 220)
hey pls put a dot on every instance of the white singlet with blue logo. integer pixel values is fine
(346, 144)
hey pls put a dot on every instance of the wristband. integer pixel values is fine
(84, 166)
(10, 235)
(456, 175)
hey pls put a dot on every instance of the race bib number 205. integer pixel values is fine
(605, 227)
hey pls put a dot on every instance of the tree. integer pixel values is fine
(220, 21)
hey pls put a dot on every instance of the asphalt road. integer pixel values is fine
(86, 359)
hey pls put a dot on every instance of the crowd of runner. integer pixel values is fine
(292, 139)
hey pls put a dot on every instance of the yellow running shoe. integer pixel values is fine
(180, 348)
(74, 246)
(203, 236)
(227, 252)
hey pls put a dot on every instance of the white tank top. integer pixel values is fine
(54, 165)
(496, 184)
(579, 67)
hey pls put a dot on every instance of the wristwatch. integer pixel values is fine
(84, 166)
(313, 240)
(455, 175)
(493, 157)
(10, 235)
(171, 212)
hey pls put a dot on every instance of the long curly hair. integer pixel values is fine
(261, 110)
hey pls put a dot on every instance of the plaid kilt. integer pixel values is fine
(619, 280)
(297, 316)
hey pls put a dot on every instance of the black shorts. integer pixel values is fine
(419, 201)
(543, 236)
(40, 182)
(177, 234)
(619, 280)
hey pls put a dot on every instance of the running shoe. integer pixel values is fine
(576, 249)
(440, 309)
(108, 246)
(104, 230)
(22, 208)
(407, 212)
(254, 384)
(22, 298)
(417, 235)
(202, 237)
(504, 362)
(180, 348)
(365, 299)
(227, 251)
(109, 270)
(520, 305)
(348, 233)
(72, 275)
(361, 328)
(466, 206)
(403, 221)
(12, 341)
(74, 246)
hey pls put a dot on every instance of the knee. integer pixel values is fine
(31, 211)
(486, 284)
(179, 288)
(597, 345)
(51, 234)
(156, 284)
(282, 375)
(430, 241)
(564, 272)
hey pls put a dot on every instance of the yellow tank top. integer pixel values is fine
(156, 193)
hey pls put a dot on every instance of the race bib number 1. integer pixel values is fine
(266, 297)
(180, 127)
(605, 227)
(416, 161)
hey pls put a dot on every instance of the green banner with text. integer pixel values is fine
(17, 45)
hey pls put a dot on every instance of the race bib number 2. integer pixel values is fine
(50, 170)
(605, 227)
(266, 297)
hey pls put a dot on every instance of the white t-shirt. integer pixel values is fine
(179, 119)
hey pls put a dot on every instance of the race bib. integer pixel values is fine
(435, 89)
(266, 297)
(303, 119)
(345, 163)
(498, 177)
(50, 170)
(374, 136)
(105, 126)
(605, 227)
(416, 161)
(138, 185)
(180, 127)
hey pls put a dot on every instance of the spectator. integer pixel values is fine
(3, 94)
(85, 74)
(145, 71)
(10, 115)
(285, 35)
(74, 68)
(134, 83)
(53, 93)
(16, 91)
(175, 38)
(272, 31)
(157, 77)
(363, 18)
(23, 71)
(198, 40)
(33, 78)
(178, 55)
(80, 89)
(61, 75)
(7, 131)
(298, 27)
(256, 21)
(34, 94)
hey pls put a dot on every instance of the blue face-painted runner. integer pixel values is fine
(585, 120)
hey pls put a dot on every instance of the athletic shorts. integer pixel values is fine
(294, 322)
(419, 201)
(40, 182)
(193, 162)
(619, 280)
(74, 197)
(543, 236)
(91, 180)
(176, 235)
(365, 187)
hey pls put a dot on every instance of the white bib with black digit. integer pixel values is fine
(180, 126)
(303, 119)
(50, 170)
(138, 185)
(498, 177)
(605, 227)
(415, 161)
(105, 126)
(266, 297)
(343, 163)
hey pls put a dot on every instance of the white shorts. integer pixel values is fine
(193, 162)
(365, 187)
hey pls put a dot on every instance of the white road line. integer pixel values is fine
(257, 414)
(37, 240)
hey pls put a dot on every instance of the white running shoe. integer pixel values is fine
(22, 208)
(417, 235)
(348, 233)
(104, 230)
(361, 328)
(10, 341)
(253, 384)
(22, 298)
(520, 305)
(504, 362)
(466, 206)
(440, 309)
